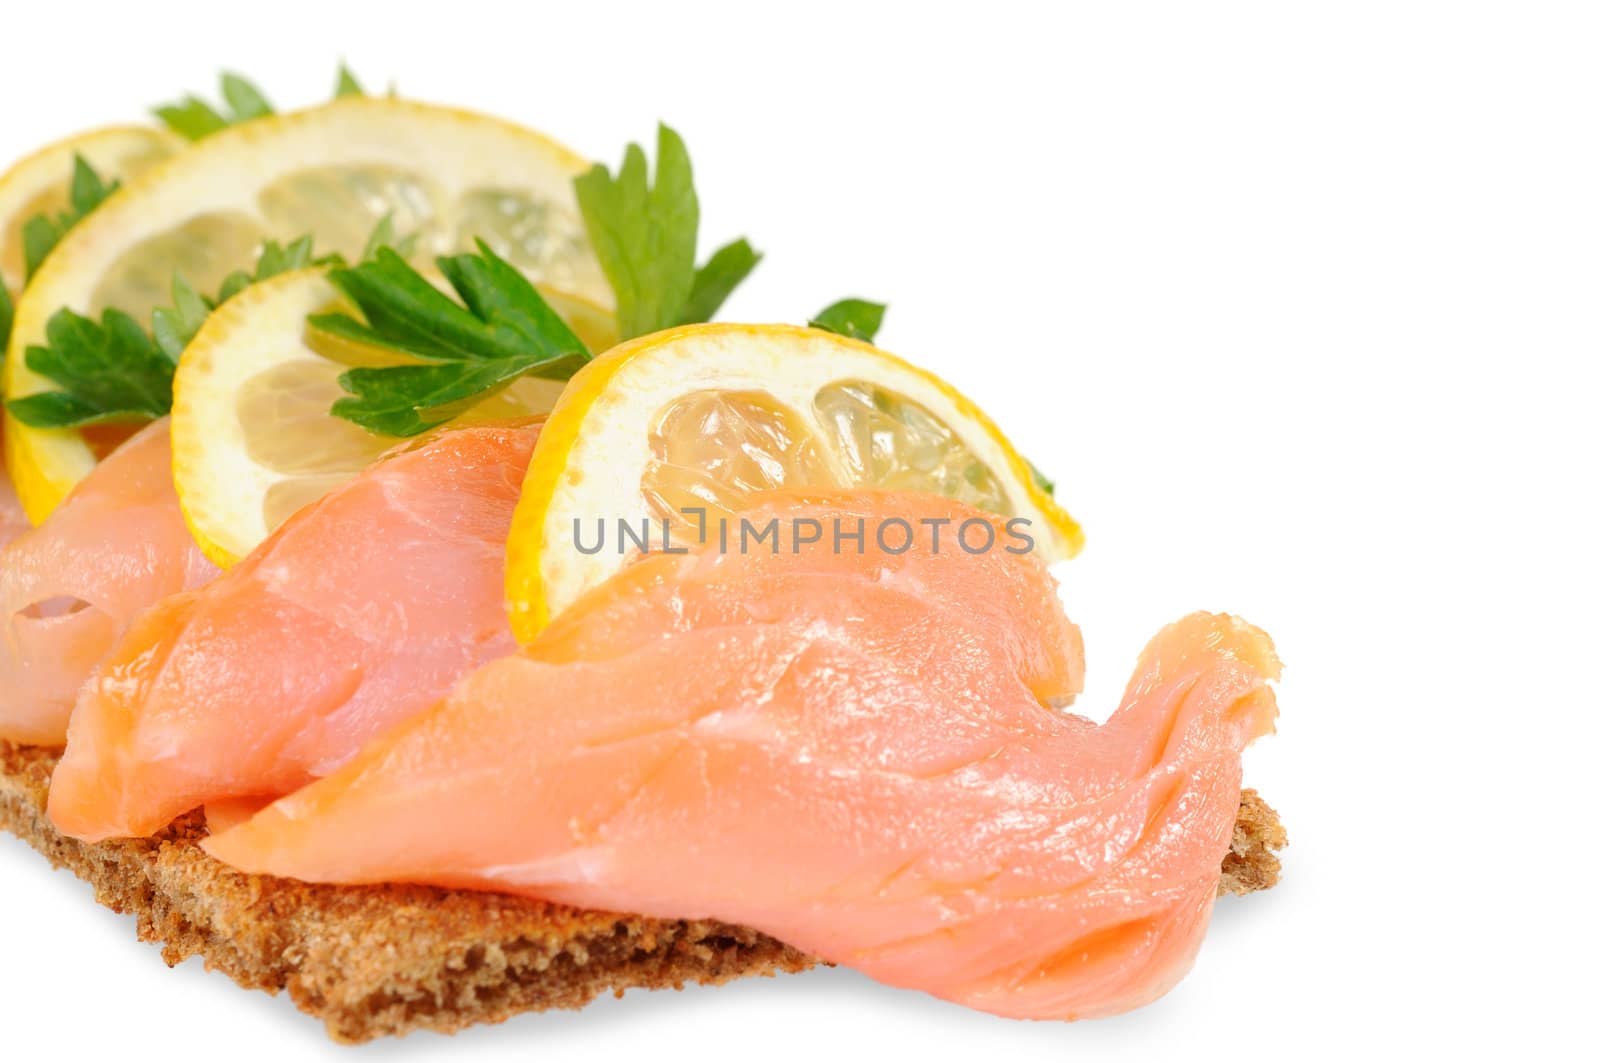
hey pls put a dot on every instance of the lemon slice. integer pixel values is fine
(705, 415)
(41, 182)
(252, 438)
(333, 171)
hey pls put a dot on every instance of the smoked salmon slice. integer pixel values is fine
(363, 609)
(1013, 612)
(851, 752)
(70, 587)
(13, 521)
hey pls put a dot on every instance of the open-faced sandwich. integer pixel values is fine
(410, 601)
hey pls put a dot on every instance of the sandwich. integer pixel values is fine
(432, 614)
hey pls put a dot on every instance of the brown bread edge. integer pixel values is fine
(375, 961)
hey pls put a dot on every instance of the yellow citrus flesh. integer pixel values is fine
(706, 415)
(446, 176)
(252, 437)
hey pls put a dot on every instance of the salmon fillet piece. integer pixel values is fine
(71, 587)
(381, 961)
(362, 610)
(854, 754)
(13, 521)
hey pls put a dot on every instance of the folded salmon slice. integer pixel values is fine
(72, 586)
(13, 521)
(850, 752)
(1012, 610)
(361, 610)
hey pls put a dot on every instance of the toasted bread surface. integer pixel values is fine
(372, 961)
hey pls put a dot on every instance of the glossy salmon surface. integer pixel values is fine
(13, 521)
(855, 752)
(70, 588)
(362, 610)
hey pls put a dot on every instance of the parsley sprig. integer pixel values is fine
(645, 234)
(855, 318)
(174, 326)
(7, 315)
(108, 371)
(502, 329)
(42, 232)
(346, 84)
(1045, 484)
(113, 370)
(193, 118)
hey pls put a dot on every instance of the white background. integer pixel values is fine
(1297, 302)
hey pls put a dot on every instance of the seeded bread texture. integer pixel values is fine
(374, 961)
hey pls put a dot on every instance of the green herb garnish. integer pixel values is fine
(1047, 485)
(113, 370)
(41, 233)
(195, 119)
(174, 326)
(715, 281)
(347, 85)
(384, 234)
(7, 314)
(278, 258)
(855, 318)
(501, 330)
(645, 237)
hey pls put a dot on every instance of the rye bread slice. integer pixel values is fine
(374, 961)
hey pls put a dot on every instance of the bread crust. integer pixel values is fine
(375, 961)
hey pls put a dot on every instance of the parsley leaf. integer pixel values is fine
(347, 85)
(174, 326)
(195, 119)
(114, 370)
(407, 400)
(715, 281)
(245, 99)
(41, 233)
(855, 318)
(274, 259)
(191, 118)
(7, 312)
(501, 330)
(1047, 485)
(384, 234)
(645, 237)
